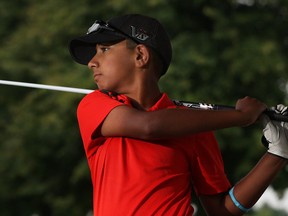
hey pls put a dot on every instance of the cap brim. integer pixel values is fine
(82, 49)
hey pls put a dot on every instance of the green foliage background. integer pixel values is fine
(223, 50)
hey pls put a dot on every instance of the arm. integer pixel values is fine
(248, 190)
(252, 186)
(130, 122)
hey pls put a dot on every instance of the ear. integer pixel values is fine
(142, 56)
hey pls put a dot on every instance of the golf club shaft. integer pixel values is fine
(195, 105)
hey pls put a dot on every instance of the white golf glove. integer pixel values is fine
(275, 133)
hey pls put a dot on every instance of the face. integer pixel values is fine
(113, 67)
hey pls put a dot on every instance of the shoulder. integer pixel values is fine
(90, 97)
(94, 95)
(99, 97)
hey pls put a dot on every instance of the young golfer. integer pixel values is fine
(144, 152)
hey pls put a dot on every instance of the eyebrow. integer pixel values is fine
(111, 42)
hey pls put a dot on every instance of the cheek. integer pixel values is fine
(121, 65)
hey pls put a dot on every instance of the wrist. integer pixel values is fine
(278, 157)
(236, 202)
(245, 118)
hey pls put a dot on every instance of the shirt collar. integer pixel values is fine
(163, 103)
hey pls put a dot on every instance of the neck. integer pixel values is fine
(145, 98)
(145, 93)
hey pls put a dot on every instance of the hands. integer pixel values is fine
(275, 133)
(251, 109)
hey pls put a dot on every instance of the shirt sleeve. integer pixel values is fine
(208, 174)
(91, 112)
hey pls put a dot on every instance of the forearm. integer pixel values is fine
(247, 191)
(166, 123)
(179, 122)
(252, 186)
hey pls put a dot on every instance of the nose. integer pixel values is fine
(93, 62)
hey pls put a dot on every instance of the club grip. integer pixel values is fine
(270, 113)
(195, 105)
(276, 116)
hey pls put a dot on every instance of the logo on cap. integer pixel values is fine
(140, 34)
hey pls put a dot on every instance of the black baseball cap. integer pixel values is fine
(139, 28)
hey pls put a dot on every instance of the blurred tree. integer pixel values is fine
(267, 211)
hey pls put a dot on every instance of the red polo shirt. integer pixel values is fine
(138, 177)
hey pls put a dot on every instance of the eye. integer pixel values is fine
(104, 49)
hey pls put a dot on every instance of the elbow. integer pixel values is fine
(151, 129)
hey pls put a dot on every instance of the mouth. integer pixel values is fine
(96, 75)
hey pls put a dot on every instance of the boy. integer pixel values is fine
(144, 152)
